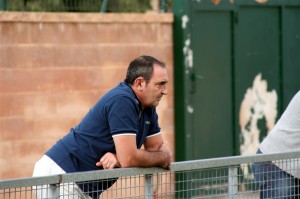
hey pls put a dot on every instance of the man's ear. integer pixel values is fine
(139, 82)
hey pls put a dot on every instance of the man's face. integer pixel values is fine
(155, 88)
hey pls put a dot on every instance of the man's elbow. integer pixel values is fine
(124, 164)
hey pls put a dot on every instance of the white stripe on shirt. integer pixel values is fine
(153, 135)
(124, 134)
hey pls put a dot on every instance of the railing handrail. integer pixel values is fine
(232, 160)
(124, 172)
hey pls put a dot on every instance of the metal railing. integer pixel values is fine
(228, 177)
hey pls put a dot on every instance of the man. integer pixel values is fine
(280, 179)
(113, 131)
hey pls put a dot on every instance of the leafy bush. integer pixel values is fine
(78, 5)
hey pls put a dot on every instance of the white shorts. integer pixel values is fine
(45, 167)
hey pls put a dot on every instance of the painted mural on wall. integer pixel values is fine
(258, 106)
(258, 113)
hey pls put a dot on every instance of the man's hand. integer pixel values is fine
(168, 155)
(155, 152)
(108, 161)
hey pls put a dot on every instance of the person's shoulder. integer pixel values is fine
(121, 90)
(297, 95)
(122, 93)
(296, 99)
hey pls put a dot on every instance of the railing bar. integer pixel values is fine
(34, 181)
(175, 167)
(232, 182)
(230, 161)
(148, 187)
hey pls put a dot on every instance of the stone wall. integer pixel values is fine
(55, 66)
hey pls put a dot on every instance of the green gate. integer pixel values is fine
(237, 65)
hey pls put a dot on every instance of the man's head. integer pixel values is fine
(148, 78)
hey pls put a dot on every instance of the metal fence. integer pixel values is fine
(228, 177)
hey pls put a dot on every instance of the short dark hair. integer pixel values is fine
(141, 67)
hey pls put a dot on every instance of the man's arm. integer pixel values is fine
(156, 143)
(155, 153)
(153, 143)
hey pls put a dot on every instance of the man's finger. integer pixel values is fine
(112, 165)
(99, 164)
(103, 158)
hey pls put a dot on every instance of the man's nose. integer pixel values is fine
(164, 91)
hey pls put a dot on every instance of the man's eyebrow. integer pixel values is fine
(162, 82)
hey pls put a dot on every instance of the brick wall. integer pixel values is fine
(54, 67)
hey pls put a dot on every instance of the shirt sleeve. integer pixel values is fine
(284, 137)
(122, 114)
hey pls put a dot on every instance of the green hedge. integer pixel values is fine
(138, 6)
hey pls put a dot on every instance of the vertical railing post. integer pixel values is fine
(3, 5)
(148, 186)
(232, 182)
(55, 190)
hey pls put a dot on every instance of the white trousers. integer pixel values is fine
(45, 167)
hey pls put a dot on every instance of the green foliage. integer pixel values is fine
(24, 5)
(138, 6)
(128, 6)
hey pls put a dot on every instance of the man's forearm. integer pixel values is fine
(143, 158)
(129, 156)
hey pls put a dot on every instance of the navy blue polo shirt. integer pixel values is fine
(117, 113)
